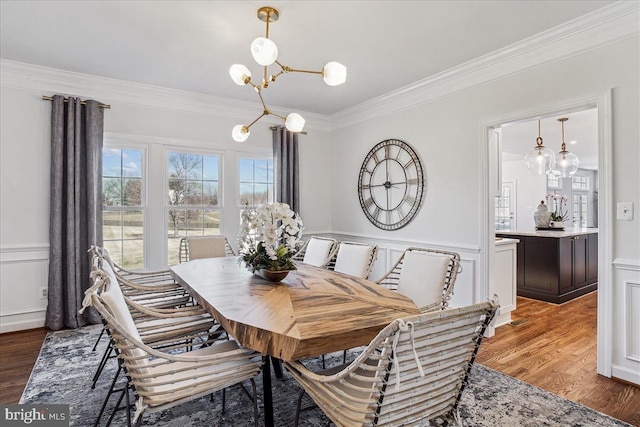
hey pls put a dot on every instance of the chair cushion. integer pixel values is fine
(353, 259)
(422, 277)
(317, 252)
(206, 247)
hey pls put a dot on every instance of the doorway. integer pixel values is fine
(492, 180)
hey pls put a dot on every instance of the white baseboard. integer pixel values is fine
(625, 374)
(21, 321)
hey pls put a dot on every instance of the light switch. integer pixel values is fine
(625, 211)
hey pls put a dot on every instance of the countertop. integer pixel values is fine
(567, 232)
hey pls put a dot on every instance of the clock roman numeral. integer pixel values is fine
(376, 212)
(368, 202)
(400, 212)
(364, 186)
(409, 199)
(412, 181)
(408, 164)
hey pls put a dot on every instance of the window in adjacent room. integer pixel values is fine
(123, 202)
(193, 198)
(554, 182)
(580, 210)
(580, 183)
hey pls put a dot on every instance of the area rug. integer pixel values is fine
(66, 364)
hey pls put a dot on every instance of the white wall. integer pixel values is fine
(530, 190)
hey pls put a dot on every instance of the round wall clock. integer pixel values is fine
(391, 184)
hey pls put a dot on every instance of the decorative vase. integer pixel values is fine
(542, 216)
(272, 275)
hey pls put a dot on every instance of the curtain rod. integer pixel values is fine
(304, 132)
(50, 98)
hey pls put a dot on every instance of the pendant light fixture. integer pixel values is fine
(566, 163)
(539, 159)
(265, 53)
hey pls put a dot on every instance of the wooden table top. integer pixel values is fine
(312, 311)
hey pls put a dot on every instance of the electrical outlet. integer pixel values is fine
(44, 293)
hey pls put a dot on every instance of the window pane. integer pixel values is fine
(132, 163)
(210, 193)
(111, 225)
(256, 181)
(132, 222)
(246, 170)
(115, 250)
(210, 168)
(211, 223)
(111, 162)
(112, 192)
(132, 251)
(192, 193)
(132, 192)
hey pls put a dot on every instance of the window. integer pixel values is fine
(580, 183)
(504, 209)
(193, 200)
(123, 210)
(580, 210)
(256, 181)
(554, 181)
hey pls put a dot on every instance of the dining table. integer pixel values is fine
(312, 311)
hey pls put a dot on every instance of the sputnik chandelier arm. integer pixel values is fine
(265, 53)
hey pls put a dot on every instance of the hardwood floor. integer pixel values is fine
(18, 353)
(554, 349)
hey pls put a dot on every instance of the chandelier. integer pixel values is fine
(265, 53)
(541, 160)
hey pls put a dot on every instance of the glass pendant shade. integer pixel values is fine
(264, 51)
(294, 122)
(334, 73)
(566, 164)
(240, 133)
(240, 74)
(539, 160)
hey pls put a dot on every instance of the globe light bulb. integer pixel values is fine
(334, 73)
(264, 51)
(539, 160)
(294, 122)
(240, 74)
(240, 133)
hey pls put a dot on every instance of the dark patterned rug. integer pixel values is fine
(65, 367)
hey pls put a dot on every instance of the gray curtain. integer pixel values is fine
(76, 208)
(285, 167)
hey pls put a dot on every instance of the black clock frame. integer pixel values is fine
(381, 215)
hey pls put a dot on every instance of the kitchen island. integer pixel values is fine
(555, 265)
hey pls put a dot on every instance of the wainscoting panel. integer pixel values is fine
(626, 322)
(465, 289)
(23, 276)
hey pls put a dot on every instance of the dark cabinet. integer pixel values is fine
(556, 269)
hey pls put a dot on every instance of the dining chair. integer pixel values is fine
(354, 258)
(197, 247)
(163, 378)
(427, 276)
(317, 251)
(412, 373)
(159, 326)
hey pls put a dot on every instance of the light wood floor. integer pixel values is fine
(554, 349)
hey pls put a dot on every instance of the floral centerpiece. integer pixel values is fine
(269, 237)
(559, 202)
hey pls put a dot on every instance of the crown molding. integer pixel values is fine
(601, 27)
(47, 81)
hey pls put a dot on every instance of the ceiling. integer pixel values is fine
(580, 136)
(189, 45)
